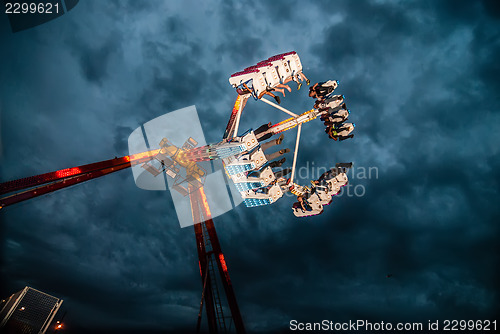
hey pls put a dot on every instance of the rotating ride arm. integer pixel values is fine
(26, 188)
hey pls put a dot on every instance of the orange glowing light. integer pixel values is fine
(205, 203)
(223, 262)
(237, 104)
(291, 119)
(68, 172)
(142, 155)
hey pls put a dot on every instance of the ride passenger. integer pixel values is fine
(304, 204)
(298, 78)
(341, 133)
(322, 89)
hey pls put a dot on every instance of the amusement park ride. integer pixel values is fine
(245, 163)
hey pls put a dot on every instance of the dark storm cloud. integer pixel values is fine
(421, 81)
(491, 8)
(94, 60)
(242, 49)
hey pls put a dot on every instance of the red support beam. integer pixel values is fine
(203, 262)
(199, 197)
(49, 182)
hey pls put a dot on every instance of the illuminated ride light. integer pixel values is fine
(68, 172)
(223, 263)
(207, 212)
(236, 169)
(139, 156)
(294, 124)
(251, 202)
(244, 186)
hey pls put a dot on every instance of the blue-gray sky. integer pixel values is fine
(421, 79)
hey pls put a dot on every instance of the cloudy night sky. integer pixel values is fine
(422, 81)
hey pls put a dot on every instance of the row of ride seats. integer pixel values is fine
(333, 109)
(268, 73)
(321, 194)
(255, 191)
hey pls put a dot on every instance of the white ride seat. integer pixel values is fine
(324, 195)
(242, 77)
(341, 179)
(346, 129)
(294, 63)
(332, 102)
(340, 116)
(272, 76)
(332, 84)
(244, 162)
(259, 81)
(283, 69)
(272, 194)
(315, 203)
